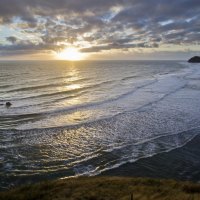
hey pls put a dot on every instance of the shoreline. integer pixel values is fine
(180, 164)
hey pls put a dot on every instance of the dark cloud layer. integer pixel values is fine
(97, 25)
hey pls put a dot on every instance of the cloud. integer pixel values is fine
(118, 46)
(98, 25)
(11, 39)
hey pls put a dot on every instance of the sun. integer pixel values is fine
(70, 54)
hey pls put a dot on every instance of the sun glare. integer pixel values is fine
(70, 54)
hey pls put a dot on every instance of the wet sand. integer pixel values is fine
(180, 164)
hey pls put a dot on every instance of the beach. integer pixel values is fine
(180, 164)
(98, 118)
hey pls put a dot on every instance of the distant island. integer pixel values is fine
(195, 59)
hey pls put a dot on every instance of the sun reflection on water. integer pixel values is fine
(73, 84)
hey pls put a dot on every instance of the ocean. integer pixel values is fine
(69, 119)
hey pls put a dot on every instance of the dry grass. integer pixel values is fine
(106, 188)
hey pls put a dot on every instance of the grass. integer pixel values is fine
(106, 188)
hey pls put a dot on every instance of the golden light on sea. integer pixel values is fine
(70, 53)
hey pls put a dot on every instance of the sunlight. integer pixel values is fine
(70, 54)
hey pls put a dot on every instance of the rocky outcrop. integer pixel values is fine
(8, 104)
(195, 59)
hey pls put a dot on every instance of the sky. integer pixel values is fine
(99, 29)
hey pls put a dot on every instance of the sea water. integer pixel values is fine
(82, 118)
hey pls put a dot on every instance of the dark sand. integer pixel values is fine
(180, 164)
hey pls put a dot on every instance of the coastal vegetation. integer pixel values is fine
(106, 188)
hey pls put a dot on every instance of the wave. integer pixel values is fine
(140, 150)
(100, 161)
(164, 96)
(45, 86)
(86, 105)
(58, 77)
(15, 118)
(89, 105)
(58, 92)
(130, 77)
(5, 86)
(35, 87)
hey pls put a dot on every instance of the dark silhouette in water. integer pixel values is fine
(195, 59)
(8, 104)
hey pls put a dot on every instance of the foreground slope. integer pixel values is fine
(106, 188)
